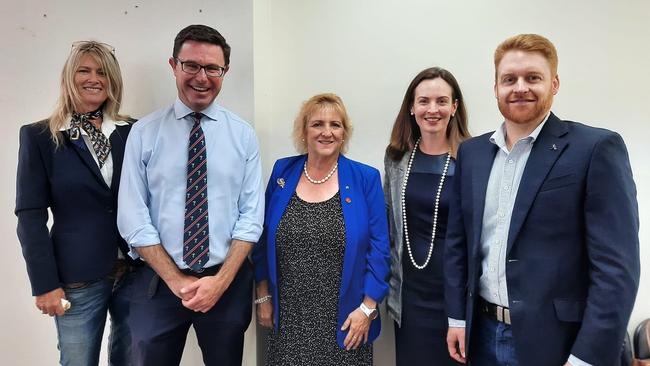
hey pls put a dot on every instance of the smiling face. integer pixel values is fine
(324, 133)
(525, 87)
(91, 82)
(433, 106)
(198, 91)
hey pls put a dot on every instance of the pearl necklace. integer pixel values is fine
(435, 207)
(327, 177)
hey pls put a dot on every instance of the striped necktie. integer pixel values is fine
(196, 243)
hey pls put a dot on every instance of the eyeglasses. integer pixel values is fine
(89, 45)
(191, 67)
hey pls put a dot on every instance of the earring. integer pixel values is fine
(411, 113)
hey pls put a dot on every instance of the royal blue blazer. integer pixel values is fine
(83, 243)
(572, 259)
(366, 261)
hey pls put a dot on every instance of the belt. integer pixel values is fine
(496, 312)
(155, 279)
(208, 271)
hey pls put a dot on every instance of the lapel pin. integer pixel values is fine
(553, 147)
(348, 200)
(347, 187)
(280, 182)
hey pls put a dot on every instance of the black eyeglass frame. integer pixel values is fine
(221, 71)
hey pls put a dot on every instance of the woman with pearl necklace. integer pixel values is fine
(419, 171)
(323, 259)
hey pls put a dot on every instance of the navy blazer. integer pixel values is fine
(83, 241)
(572, 262)
(366, 259)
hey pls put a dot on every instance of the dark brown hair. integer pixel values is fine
(405, 129)
(201, 33)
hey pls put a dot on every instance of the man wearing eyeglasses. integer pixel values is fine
(191, 205)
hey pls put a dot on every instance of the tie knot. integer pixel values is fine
(196, 116)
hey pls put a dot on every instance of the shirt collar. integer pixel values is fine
(499, 136)
(108, 125)
(181, 110)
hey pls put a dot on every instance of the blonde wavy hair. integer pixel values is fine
(316, 104)
(69, 98)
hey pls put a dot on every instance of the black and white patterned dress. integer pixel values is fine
(310, 244)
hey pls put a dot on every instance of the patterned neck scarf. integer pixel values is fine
(100, 142)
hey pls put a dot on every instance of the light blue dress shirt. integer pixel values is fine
(151, 202)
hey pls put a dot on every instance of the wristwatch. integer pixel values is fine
(370, 313)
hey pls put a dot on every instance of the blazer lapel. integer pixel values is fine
(347, 191)
(81, 149)
(291, 178)
(398, 170)
(482, 163)
(118, 141)
(285, 186)
(547, 148)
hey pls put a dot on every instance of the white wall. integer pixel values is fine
(35, 39)
(367, 51)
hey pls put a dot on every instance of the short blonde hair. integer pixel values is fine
(69, 98)
(315, 104)
(527, 43)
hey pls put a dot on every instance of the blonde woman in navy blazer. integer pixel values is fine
(76, 262)
(324, 175)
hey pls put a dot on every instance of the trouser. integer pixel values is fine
(81, 328)
(159, 321)
(492, 342)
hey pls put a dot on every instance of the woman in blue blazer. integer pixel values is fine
(70, 164)
(322, 263)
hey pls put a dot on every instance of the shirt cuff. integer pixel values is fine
(142, 237)
(456, 323)
(575, 361)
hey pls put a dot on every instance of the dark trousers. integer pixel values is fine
(159, 322)
(492, 343)
(421, 346)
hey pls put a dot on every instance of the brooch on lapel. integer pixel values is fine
(348, 200)
(280, 182)
(553, 147)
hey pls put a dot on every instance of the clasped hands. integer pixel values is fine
(198, 294)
